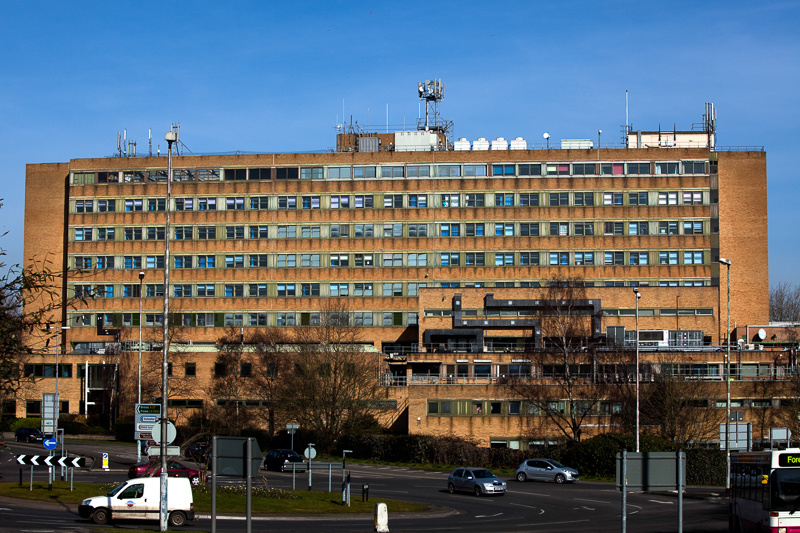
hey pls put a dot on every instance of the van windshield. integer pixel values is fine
(117, 489)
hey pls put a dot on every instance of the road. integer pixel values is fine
(530, 506)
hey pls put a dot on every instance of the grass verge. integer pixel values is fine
(229, 499)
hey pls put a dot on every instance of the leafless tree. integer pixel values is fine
(333, 381)
(563, 387)
(232, 383)
(784, 303)
(675, 402)
(271, 360)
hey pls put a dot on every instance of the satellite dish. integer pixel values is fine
(546, 135)
(762, 334)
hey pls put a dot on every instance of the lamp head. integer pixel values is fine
(141, 275)
(724, 261)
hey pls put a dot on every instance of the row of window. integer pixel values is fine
(366, 260)
(397, 171)
(390, 200)
(255, 319)
(394, 230)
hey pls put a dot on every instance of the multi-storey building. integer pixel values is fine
(420, 241)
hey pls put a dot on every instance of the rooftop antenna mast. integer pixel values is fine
(432, 92)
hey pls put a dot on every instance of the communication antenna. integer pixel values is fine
(432, 92)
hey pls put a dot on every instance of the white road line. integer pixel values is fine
(553, 523)
(488, 515)
(660, 501)
(591, 501)
(541, 511)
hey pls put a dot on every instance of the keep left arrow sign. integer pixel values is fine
(21, 459)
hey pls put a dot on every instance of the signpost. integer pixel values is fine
(292, 429)
(49, 413)
(50, 443)
(239, 457)
(147, 416)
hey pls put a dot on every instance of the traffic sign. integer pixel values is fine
(148, 408)
(147, 415)
(50, 443)
(156, 450)
(51, 460)
(171, 433)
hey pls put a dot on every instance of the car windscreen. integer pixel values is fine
(482, 474)
(556, 464)
(117, 489)
(785, 490)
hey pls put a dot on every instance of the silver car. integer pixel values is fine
(545, 470)
(478, 481)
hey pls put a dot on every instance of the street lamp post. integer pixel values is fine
(59, 329)
(638, 295)
(727, 263)
(139, 396)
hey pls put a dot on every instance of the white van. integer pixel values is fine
(141, 498)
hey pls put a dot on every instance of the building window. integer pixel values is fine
(668, 198)
(449, 259)
(418, 171)
(694, 167)
(258, 261)
(666, 168)
(559, 258)
(103, 234)
(234, 290)
(364, 172)
(155, 233)
(183, 233)
(612, 198)
(134, 204)
(309, 232)
(205, 261)
(557, 169)
(310, 260)
(692, 257)
(257, 290)
(339, 173)
(364, 202)
(503, 259)
(363, 230)
(417, 259)
(559, 199)
(449, 171)
(132, 261)
(107, 261)
(309, 173)
(392, 260)
(667, 258)
(184, 204)
(417, 230)
(84, 206)
(257, 319)
(449, 200)
(286, 319)
(182, 291)
(474, 229)
(529, 199)
(638, 168)
(584, 258)
(692, 227)
(559, 228)
(363, 260)
(392, 200)
(504, 170)
(339, 289)
(529, 258)
(107, 206)
(474, 170)
(311, 202)
(206, 290)
(309, 289)
(233, 319)
(474, 200)
(613, 228)
(504, 229)
(190, 370)
(340, 231)
(362, 319)
(259, 203)
(234, 261)
(583, 198)
(668, 227)
(341, 260)
(529, 229)
(206, 232)
(417, 200)
(392, 230)
(392, 172)
(362, 289)
(614, 258)
(474, 259)
(287, 232)
(154, 290)
(392, 289)
(640, 258)
(287, 261)
(287, 202)
(259, 232)
(584, 228)
(637, 198)
(503, 199)
(584, 169)
(693, 197)
(207, 204)
(638, 228)
(183, 261)
(448, 230)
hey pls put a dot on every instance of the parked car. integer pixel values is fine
(28, 435)
(174, 469)
(545, 470)
(281, 460)
(478, 481)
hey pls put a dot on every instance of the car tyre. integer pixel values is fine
(477, 491)
(560, 479)
(522, 476)
(177, 519)
(451, 488)
(195, 480)
(100, 516)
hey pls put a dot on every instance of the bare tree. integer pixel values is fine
(674, 402)
(333, 381)
(232, 382)
(271, 362)
(784, 303)
(562, 387)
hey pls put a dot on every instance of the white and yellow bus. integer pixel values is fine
(765, 491)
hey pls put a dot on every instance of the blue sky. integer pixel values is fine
(268, 77)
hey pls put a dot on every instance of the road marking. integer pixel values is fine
(586, 508)
(660, 501)
(488, 515)
(541, 511)
(591, 501)
(539, 524)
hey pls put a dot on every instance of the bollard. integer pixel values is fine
(381, 518)
(364, 493)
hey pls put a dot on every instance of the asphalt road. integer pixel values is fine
(530, 506)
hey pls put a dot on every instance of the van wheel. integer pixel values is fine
(100, 516)
(195, 480)
(177, 519)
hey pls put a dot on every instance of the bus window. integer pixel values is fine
(785, 490)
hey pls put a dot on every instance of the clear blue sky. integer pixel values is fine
(272, 77)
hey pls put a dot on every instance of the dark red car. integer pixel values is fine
(174, 469)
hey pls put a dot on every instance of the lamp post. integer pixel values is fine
(638, 295)
(727, 263)
(139, 396)
(171, 137)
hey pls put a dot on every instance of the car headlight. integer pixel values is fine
(487, 485)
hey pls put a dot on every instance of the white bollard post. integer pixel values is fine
(381, 518)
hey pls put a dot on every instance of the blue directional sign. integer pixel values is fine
(50, 443)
